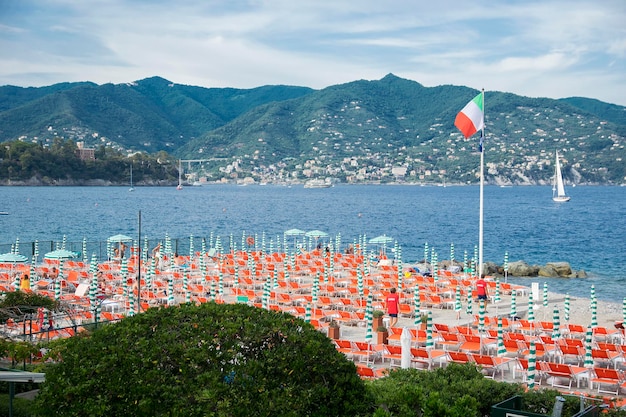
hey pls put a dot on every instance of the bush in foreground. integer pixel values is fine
(207, 360)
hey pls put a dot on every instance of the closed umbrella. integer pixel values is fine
(405, 343)
(501, 348)
(429, 331)
(426, 252)
(369, 316)
(481, 315)
(457, 302)
(531, 308)
(532, 358)
(316, 288)
(186, 288)
(566, 306)
(556, 324)
(496, 298)
(416, 305)
(451, 253)
(513, 305)
(170, 290)
(469, 310)
(131, 303)
(307, 314)
(594, 307)
(588, 340)
(506, 266)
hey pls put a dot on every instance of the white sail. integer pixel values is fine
(558, 189)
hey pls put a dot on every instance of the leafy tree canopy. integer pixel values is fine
(206, 360)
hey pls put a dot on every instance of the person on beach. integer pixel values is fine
(481, 290)
(25, 283)
(393, 306)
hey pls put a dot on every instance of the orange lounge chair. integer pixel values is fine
(607, 377)
(492, 364)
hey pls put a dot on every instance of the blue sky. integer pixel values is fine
(535, 48)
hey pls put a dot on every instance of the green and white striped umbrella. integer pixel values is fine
(451, 253)
(624, 311)
(220, 283)
(416, 305)
(426, 252)
(497, 298)
(501, 349)
(532, 363)
(57, 286)
(531, 308)
(469, 310)
(267, 292)
(33, 272)
(236, 277)
(399, 263)
(36, 250)
(556, 324)
(481, 315)
(566, 308)
(170, 291)
(369, 315)
(457, 300)
(435, 265)
(192, 251)
(307, 314)
(359, 283)
(465, 263)
(429, 331)
(186, 288)
(506, 263)
(131, 303)
(85, 256)
(316, 288)
(594, 307)
(588, 340)
(545, 294)
(513, 305)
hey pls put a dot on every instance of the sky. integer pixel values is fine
(534, 48)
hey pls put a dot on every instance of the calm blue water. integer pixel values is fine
(587, 232)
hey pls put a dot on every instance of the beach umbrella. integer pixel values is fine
(369, 316)
(451, 253)
(85, 256)
(556, 324)
(60, 254)
(481, 315)
(588, 346)
(532, 358)
(594, 307)
(501, 349)
(426, 252)
(566, 308)
(624, 311)
(16, 248)
(33, 272)
(220, 284)
(170, 290)
(496, 298)
(531, 308)
(545, 294)
(57, 286)
(186, 288)
(192, 251)
(513, 305)
(429, 331)
(316, 288)
(405, 343)
(307, 314)
(469, 310)
(457, 302)
(359, 283)
(131, 303)
(465, 263)
(506, 265)
(36, 251)
(416, 305)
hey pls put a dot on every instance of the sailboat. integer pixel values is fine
(558, 190)
(180, 173)
(131, 179)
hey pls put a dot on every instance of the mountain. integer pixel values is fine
(150, 115)
(384, 130)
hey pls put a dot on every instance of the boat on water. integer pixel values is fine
(317, 183)
(558, 189)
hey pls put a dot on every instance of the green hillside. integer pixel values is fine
(388, 130)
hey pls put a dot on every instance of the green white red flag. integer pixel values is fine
(472, 118)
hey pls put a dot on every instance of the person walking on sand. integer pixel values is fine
(393, 306)
(481, 290)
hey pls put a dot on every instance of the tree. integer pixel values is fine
(206, 360)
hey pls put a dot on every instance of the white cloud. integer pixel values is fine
(547, 48)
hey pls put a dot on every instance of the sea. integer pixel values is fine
(519, 222)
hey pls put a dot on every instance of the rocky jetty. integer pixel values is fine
(515, 269)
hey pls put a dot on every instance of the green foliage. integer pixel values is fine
(19, 303)
(207, 360)
(456, 390)
(21, 407)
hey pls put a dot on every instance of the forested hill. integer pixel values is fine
(363, 131)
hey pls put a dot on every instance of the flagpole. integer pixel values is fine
(482, 181)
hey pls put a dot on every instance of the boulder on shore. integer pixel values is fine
(522, 269)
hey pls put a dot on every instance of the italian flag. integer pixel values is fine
(472, 118)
